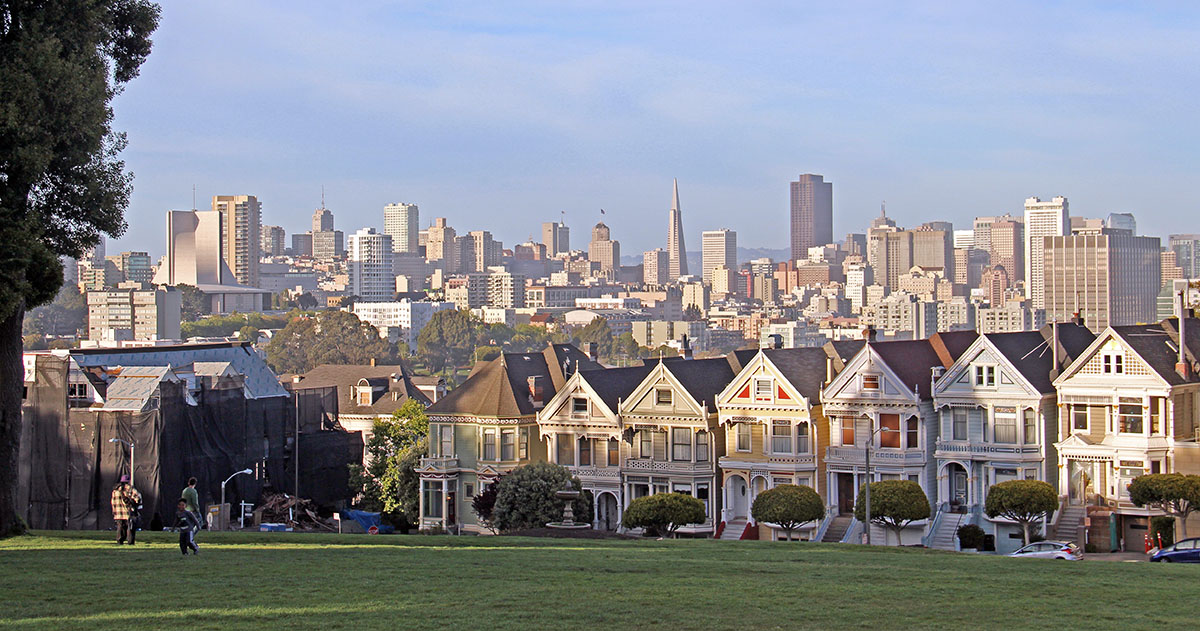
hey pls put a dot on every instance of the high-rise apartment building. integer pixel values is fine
(1187, 253)
(302, 244)
(812, 214)
(402, 222)
(134, 267)
(273, 240)
(603, 250)
(370, 266)
(134, 311)
(676, 249)
(718, 247)
(328, 245)
(556, 237)
(1111, 277)
(981, 232)
(479, 251)
(656, 267)
(1042, 219)
(322, 220)
(441, 246)
(241, 235)
(934, 248)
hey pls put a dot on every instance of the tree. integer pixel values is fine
(1172, 493)
(62, 183)
(788, 506)
(484, 505)
(663, 513)
(389, 481)
(248, 333)
(525, 497)
(194, 304)
(332, 337)
(66, 315)
(600, 333)
(448, 339)
(894, 504)
(1022, 501)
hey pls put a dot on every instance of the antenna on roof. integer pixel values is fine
(322, 196)
(193, 197)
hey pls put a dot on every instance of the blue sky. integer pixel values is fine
(501, 117)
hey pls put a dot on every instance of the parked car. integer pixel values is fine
(1186, 551)
(1064, 550)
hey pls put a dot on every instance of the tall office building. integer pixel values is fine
(370, 266)
(322, 220)
(676, 249)
(718, 247)
(401, 221)
(1008, 247)
(932, 248)
(981, 232)
(656, 267)
(1042, 219)
(1109, 276)
(812, 214)
(195, 256)
(328, 245)
(273, 240)
(603, 250)
(1187, 253)
(134, 267)
(556, 237)
(441, 246)
(241, 235)
(479, 251)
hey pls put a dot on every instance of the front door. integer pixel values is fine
(451, 513)
(959, 482)
(845, 491)
(608, 511)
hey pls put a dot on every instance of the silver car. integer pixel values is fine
(1064, 550)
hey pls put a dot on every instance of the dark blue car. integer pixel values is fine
(1186, 551)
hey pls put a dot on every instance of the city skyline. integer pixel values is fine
(613, 115)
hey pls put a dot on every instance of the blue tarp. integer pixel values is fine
(366, 520)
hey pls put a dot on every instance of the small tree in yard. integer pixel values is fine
(894, 504)
(389, 482)
(484, 505)
(1172, 493)
(788, 506)
(525, 497)
(1022, 501)
(663, 513)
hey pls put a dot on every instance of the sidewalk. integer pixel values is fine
(1127, 557)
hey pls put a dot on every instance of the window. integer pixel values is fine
(686, 489)
(489, 444)
(803, 480)
(1004, 425)
(762, 390)
(1113, 363)
(431, 497)
(1156, 405)
(579, 405)
(702, 495)
(645, 444)
(913, 433)
(681, 443)
(743, 437)
(914, 477)
(1029, 424)
(870, 383)
(848, 432)
(468, 489)
(985, 376)
(566, 449)
(1130, 416)
(364, 395)
(523, 446)
(802, 442)
(585, 452)
(889, 430)
(702, 446)
(447, 441)
(77, 391)
(959, 421)
(507, 444)
(1005, 475)
(781, 437)
(1079, 418)
(662, 396)
(614, 452)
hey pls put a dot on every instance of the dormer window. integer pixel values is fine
(364, 395)
(1113, 363)
(985, 376)
(870, 383)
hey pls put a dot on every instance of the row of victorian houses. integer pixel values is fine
(956, 413)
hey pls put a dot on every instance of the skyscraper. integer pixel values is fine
(717, 248)
(241, 235)
(1006, 242)
(369, 265)
(1109, 276)
(655, 266)
(812, 214)
(676, 250)
(273, 240)
(401, 221)
(603, 250)
(1042, 219)
(1187, 253)
(556, 237)
(441, 246)
(322, 219)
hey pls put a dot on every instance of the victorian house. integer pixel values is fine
(883, 401)
(1128, 406)
(488, 426)
(998, 418)
(774, 430)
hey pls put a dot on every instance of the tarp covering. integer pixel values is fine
(366, 520)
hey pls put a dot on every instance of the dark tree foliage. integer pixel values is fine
(1175, 494)
(448, 340)
(331, 337)
(484, 504)
(663, 513)
(525, 497)
(1022, 501)
(66, 315)
(194, 304)
(600, 333)
(389, 481)
(788, 506)
(894, 504)
(62, 184)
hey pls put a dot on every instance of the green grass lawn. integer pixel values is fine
(74, 580)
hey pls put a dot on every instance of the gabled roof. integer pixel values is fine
(1158, 345)
(950, 345)
(500, 388)
(911, 361)
(135, 386)
(1030, 352)
(564, 360)
(842, 351)
(804, 368)
(345, 377)
(615, 384)
(260, 381)
(703, 379)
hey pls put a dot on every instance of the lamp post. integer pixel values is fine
(870, 443)
(246, 471)
(123, 442)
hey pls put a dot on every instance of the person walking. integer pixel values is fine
(125, 501)
(187, 523)
(192, 498)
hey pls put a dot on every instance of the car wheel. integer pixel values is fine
(1166, 559)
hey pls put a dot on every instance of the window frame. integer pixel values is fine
(1112, 362)
(701, 449)
(889, 431)
(645, 444)
(1126, 417)
(960, 418)
(1012, 426)
(663, 397)
(575, 405)
(489, 444)
(912, 433)
(511, 446)
(849, 424)
(1029, 423)
(743, 431)
(785, 437)
(523, 444)
(769, 396)
(984, 376)
(613, 453)
(803, 433)
(1080, 411)
(584, 451)
(564, 444)
(681, 443)
(872, 382)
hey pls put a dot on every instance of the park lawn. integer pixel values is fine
(82, 580)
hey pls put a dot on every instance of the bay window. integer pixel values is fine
(889, 430)
(802, 439)
(681, 443)
(781, 437)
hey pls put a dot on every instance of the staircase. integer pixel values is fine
(837, 529)
(733, 530)
(1069, 521)
(947, 530)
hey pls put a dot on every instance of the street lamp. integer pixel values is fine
(870, 443)
(118, 440)
(246, 471)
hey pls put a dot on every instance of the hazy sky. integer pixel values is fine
(501, 118)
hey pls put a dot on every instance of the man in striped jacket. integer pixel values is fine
(125, 500)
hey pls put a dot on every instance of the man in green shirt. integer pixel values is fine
(192, 498)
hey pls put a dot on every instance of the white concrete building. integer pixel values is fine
(1042, 219)
(399, 321)
(402, 222)
(370, 266)
(718, 247)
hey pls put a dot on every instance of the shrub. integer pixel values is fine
(484, 505)
(894, 504)
(788, 506)
(1163, 525)
(525, 497)
(1173, 493)
(970, 536)
(1023, 501)
(662, 514)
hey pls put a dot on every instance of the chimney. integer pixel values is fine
(297, 378)
(937, 372)
(593, 351)
(775, 341)
(1182, 366)
(686, 347)
(536, 393)
(1076, 318)
(372, 362)
(869, 333)
(828, 369)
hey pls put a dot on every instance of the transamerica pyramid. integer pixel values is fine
(676, 250)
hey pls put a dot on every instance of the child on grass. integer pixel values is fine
(187, 523)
